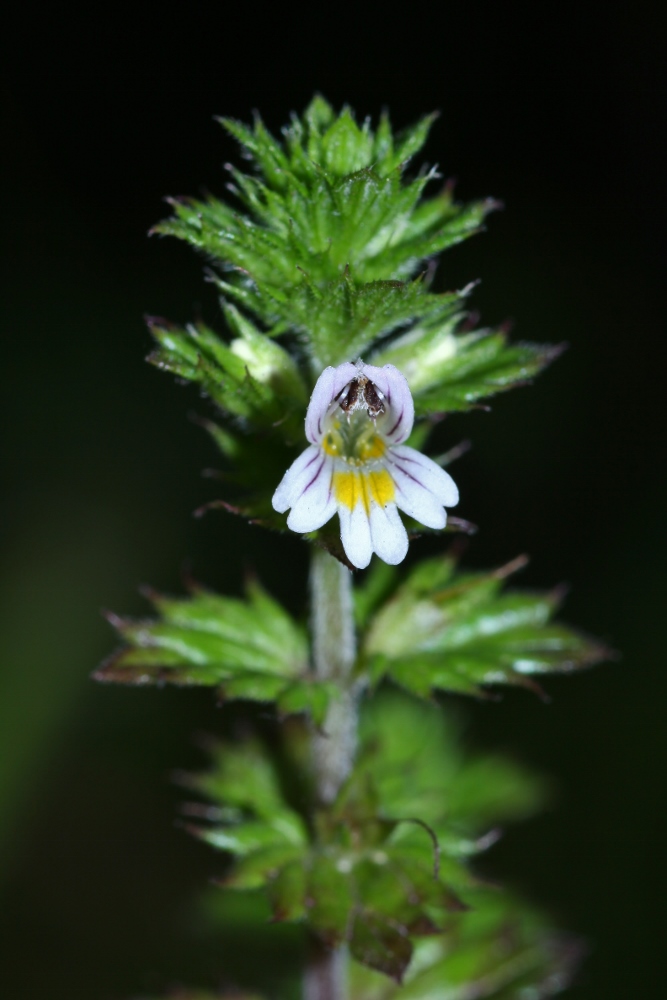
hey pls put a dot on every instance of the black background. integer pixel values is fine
(555, 111)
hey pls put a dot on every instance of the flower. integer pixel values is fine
(357, 466)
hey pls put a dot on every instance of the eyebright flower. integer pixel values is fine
(357, 466)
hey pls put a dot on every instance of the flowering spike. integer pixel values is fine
(357, 465)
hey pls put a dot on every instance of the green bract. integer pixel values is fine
(248, 649)
(329, 241)
(327, 246)
(458, 632)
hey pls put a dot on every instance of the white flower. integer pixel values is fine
(357, 466)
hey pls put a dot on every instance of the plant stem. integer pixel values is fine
(334, 651)
(325, 976)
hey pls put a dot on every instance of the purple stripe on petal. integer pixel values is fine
(329, 384)
(407, 473)
(396, 391)
(396, 425)
(315, 477)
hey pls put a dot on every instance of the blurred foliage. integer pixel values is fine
(389, 860)
(499, 949)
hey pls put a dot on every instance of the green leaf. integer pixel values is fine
(349, 315)
(385, 865)
(259, 463)
(288, 892)
(345, 148)
(409, 142)
(378, 944)
(497, 950)
(249, 649)
(427, 774)
(243, 777)
(339, 870)
(327, 239)
(447, 371)
(462, 634)
(252, 377)
(313, 699)
(325, 245)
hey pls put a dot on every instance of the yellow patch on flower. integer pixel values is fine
(372, 447)
(353, 441)
(353, 488)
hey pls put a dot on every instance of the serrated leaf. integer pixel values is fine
(352, 315)
(448, 371)
(327, 218)
(409, 142)
(241, 776)
(252, 378)
(467, 635)
(345, 148)
(250, 649)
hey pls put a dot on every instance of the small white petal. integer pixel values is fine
(295, 480)
(388, 534)
(317, 504)
(414, 497)
(355, 534)
(329, 384)
(400, 414)
(431, 475)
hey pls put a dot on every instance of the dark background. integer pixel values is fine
(560, 117)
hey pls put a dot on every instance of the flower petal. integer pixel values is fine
(422, 487)
(355, 534)
(429, 473)
(327, 387)
(296, 479)
(317, 504)
(388, 534)
(400, 414)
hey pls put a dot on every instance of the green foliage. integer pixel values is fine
(329, 246)
(428, 773)
(248, 649)
(253, 378)
(499, 949)
(449, 371)
(460, 632)
(330, 241)
(387, 861)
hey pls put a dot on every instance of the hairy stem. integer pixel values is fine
(334, 652)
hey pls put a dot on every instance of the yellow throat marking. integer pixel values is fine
(353, 488)
(355, 441)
